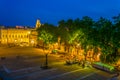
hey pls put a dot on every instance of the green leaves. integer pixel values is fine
(108, 40)
(45, 33)
(46, 37)
(103, 36)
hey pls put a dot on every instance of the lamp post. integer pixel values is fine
(46, 60)
(46, 51)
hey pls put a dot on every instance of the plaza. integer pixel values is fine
(24, 63)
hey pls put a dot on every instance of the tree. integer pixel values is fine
(45, 33)
(100, 36)
(107, 40)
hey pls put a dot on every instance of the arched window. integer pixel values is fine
(10, 36)
(24, 36)
(13, 36)
(16, 36)
(27, 36)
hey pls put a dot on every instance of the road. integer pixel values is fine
(28, 66)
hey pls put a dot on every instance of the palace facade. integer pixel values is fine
(19, 35)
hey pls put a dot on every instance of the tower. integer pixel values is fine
(38, 24)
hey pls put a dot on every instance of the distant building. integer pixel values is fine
(38, 24)
(19, 35)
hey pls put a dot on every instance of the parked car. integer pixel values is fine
(24, 44)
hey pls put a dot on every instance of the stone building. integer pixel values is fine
(19, 35)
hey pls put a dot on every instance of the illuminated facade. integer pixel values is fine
(38, 24)
(19, 35)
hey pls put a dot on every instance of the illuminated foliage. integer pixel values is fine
(101, 35)
(46, 37)
(107, 40)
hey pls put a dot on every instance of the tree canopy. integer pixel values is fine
(103, 34)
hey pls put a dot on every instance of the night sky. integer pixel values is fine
(25, 12)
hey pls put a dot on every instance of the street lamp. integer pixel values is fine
(46, 51)
(46, 60)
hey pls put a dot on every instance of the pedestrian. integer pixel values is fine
(115, 77)
(83, 64)
(79, 63)
(118, 76)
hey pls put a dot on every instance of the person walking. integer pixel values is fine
(115, 77)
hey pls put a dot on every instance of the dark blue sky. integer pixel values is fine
(25, 12)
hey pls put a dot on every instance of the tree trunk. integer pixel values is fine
(46, 61)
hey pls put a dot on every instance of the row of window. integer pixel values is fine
(14, 40)
(15, 36)
(13, 32)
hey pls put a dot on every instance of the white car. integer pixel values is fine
(24, 44)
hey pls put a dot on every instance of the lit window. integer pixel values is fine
(27, 36)
(9, 35)
(19, 36)
(24, 36)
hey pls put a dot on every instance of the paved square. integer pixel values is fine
(24, 63)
